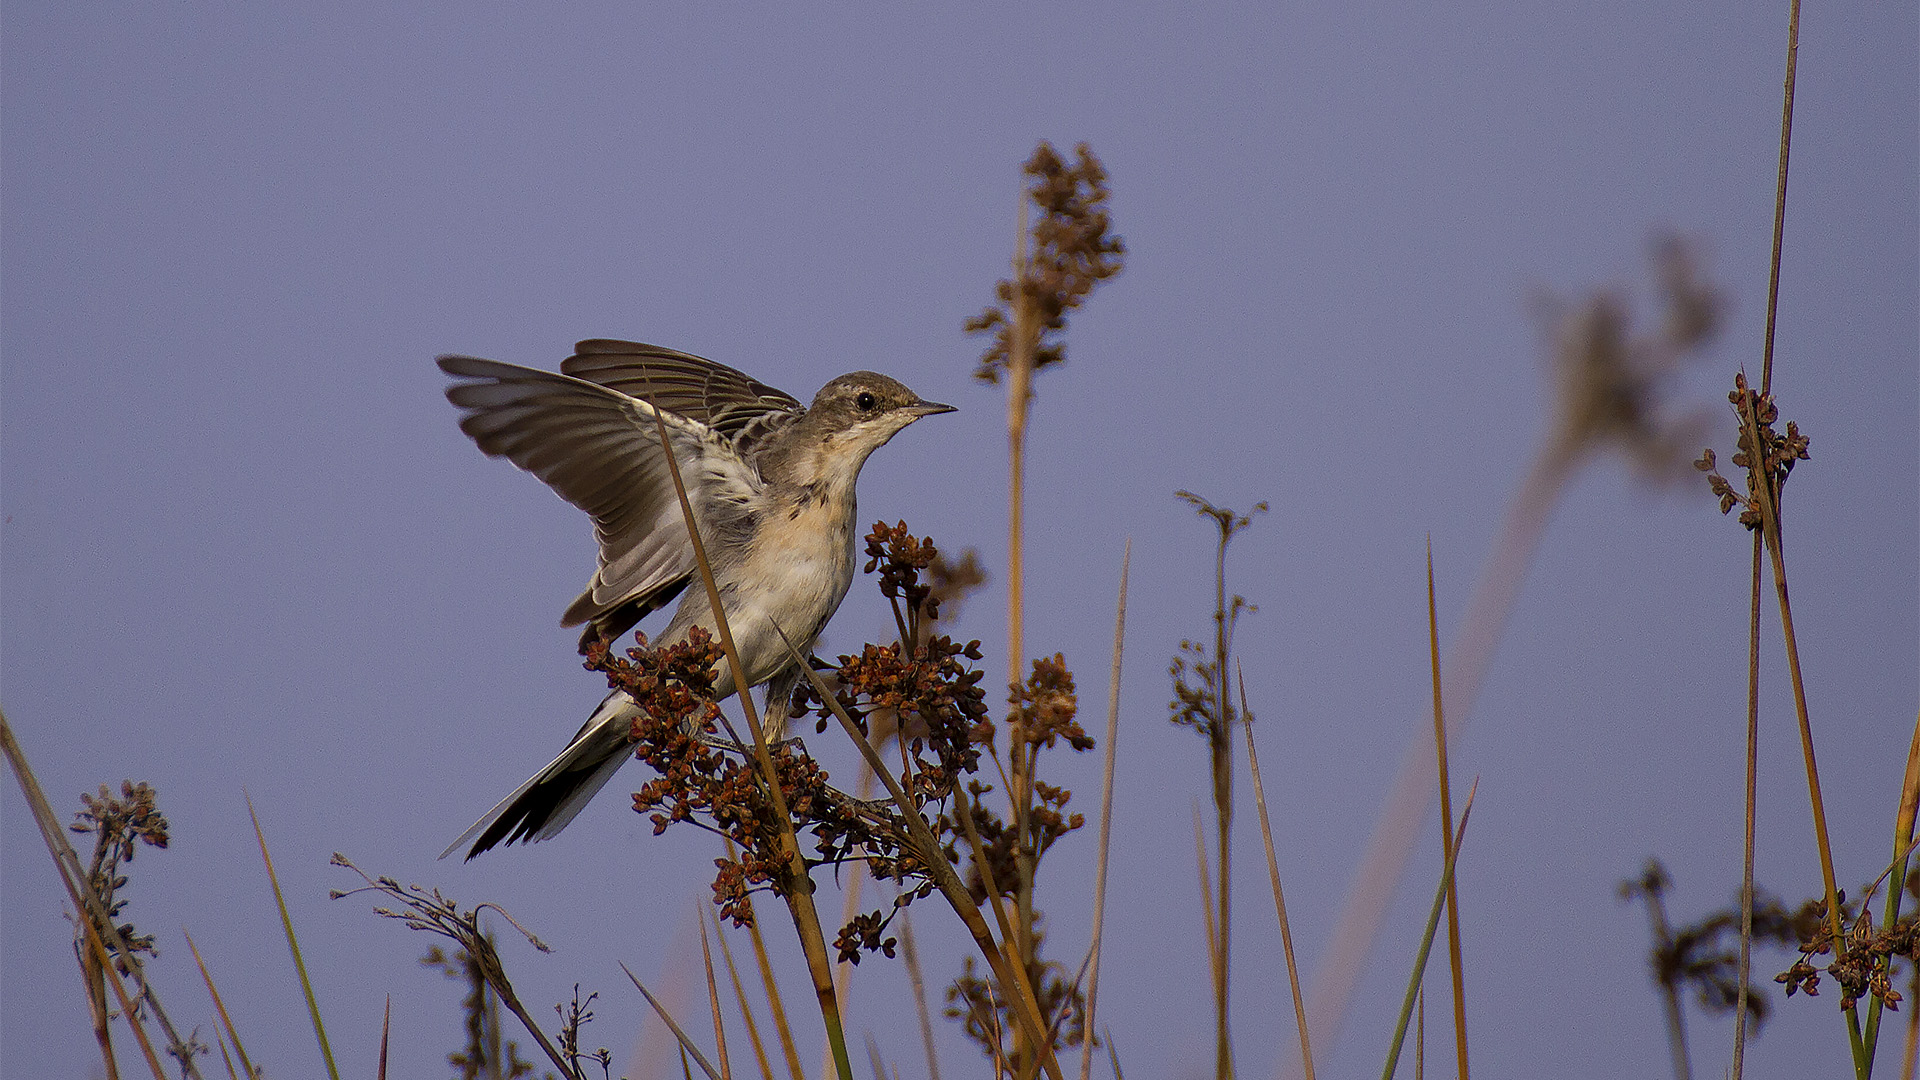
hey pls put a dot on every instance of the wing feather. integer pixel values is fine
(735, 405)
(597, 448)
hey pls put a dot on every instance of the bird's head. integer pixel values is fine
(853, 416)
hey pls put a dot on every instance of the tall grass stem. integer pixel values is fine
(1279, 897)
(1745, 964)
(1004, 964)
(799, 898)
(713, 1002)
(220, 1007)
(1106, 812)
(1896, 883)
(1398, 826)
(687, 1046)
(740, 995)
(1426, 940)
(87, 905)
(293, 945)
(1780, 191)
(910, 953)
(1446, 829)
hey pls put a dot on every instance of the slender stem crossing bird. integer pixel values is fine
(771, 486)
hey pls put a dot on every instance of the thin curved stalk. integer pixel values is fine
(1106, 812)
(740, 995)
(1279, 897)
(1753, 774)
(1426, 940)
(1005, 968)
(1446, 829)
(86, 902)
(687, 1046)
(1902, 848)
(806, 918)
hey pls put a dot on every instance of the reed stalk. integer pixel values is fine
(1106, 812)
(799, 898)
(1454, 962)
(1279, 897)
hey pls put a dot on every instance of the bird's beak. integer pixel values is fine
(929, 408)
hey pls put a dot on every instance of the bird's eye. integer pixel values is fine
(865, 402)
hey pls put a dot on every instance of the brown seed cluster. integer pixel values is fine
(1073, 252)
(703, 777)
(1041, 713)
(929, 696)
(119, 825)
(1757, 415)
(1865, 966)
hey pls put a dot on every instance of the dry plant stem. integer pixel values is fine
(1023, 340)
(806, 920)
(386, 1028)
(910, 953)
(188, 1067)
(1753, 776)
(781, 1027)
(1780, 191)
(856, 878)
(220, 1007)
(1066, 1010)
(1009, 972)
(1766, 492)
(1902, 848)
(503, 990)
(1420, 1037)
(1222, 768)
(1020, 345)
(1766, 385)
(1206, 892)
(1446, 832)
(1106, 809)
(1398, 827)
(687, 1046)
(87, 905)
(774, 1005)
(740, 995)
(463, 929)
(227, 1059)
(293, 945)
(713, 1002)
(1426, 941)
(1273, 872)
(94, 981)
(1670, 991)
(874, 1062)
(99, 951)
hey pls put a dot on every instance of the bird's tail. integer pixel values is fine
(545, 804)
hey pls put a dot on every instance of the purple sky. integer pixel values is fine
(246, 547)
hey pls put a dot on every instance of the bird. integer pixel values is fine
(771, 485)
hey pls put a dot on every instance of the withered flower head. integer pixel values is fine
(1611, 376)
(1072, 253)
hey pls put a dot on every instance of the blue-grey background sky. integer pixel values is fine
(247, 549)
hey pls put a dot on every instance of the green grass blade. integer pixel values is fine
(686, 1044)
(293, 944)
(220, 1006)
(1426, 939)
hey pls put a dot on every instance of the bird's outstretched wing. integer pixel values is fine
(599, 449)
(738, 407)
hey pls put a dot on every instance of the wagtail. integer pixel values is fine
(771, 485)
